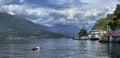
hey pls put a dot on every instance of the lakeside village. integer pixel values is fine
(106, 30)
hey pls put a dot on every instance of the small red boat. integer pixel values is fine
(36, 48)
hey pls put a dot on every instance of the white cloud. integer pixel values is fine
(62, 20)
(92, 12)
(74, 15)
(49, 25)
(37, 12)
(18, 9)
(50, 19)
(70, 12)
(11, 13)
(110, 10)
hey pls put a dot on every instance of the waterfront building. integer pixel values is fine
(113, 36)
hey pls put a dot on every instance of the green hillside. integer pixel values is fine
(112, 20)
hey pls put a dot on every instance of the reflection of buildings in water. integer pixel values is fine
(109, 50)
(106, 50)
(95, 49)
(113, 50)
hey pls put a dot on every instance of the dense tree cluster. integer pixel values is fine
(83, 32)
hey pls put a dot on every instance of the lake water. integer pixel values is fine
(58, 48)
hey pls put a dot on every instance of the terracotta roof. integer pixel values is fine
(115, 33)
(114, 17)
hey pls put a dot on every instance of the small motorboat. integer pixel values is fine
(36, 48)
(94, 39)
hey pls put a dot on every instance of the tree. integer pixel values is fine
(83, 32)
(117, 11)
(115, 24)
(101, 24)
(112, 25)
(118, 24)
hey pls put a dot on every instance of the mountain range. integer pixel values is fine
(17, 26)
(66, 30)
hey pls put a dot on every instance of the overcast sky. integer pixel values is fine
(50, 12)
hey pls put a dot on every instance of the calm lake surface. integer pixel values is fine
(58, 48)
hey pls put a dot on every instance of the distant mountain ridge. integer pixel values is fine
(16, 26)
(67, 30)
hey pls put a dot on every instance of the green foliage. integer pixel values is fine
(117, 11)
(118, 24)
(83, 32)
(101, 24)
(113, 25)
